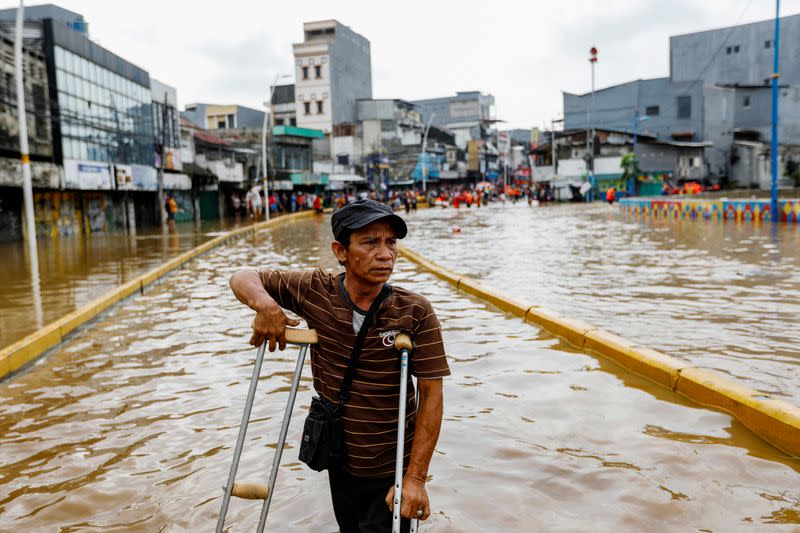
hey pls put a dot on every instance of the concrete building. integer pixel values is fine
(730, 100)
(737, 55)
(468, 114)
(222, 117)
(283, 105)
(332, 70)
(101, 122)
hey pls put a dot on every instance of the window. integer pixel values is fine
(736, 49)
(767, 44)
(305, 73)
(684, 107)
(746, 101)
(221, 123)
(728, 50)
(651, 111)
(319, 107)
(231, 121)
(307, 108)
(293, 122)
(318, 71)
(279, 122)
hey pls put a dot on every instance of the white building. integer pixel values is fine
(332, 70)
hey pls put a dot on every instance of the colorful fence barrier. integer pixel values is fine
(708, 209)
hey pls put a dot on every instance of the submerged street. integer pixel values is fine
(130, 423)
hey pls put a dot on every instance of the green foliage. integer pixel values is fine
(630, 166)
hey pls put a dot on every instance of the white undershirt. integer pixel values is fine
(358, 321)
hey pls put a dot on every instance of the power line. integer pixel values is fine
(718, 50)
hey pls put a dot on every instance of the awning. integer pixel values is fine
(299, 178)
(353, 178)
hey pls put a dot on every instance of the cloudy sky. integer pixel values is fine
(525, 53)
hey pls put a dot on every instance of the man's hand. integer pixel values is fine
(414, 498)
(269, 324)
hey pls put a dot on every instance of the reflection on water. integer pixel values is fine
(130, 425)
(75, 270)
(721, 295)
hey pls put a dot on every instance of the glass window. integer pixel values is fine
(68, 64)
(70, 84)
(59, 57)
(60, 79)
(652, 111)
(684, 107)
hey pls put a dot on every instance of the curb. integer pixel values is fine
(26, 350)
(774, 420)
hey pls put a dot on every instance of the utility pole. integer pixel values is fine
(775, 76)
(269, 123)
(24, 155)
(25, 160)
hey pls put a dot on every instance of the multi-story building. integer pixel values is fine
(468, 114)
(100, 117)
(283, 105)
(718, 92)
(332, 71)
(224, 117)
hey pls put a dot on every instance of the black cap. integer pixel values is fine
(361, 213)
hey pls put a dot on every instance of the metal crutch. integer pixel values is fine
(403, 343)
(257, 491)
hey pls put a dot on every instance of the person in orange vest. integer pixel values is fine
(611, 195)
(171, 207)
(317, 204)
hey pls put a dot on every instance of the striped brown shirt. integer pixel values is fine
(370, 416)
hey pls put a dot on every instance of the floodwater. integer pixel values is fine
(130, 424)
(77, 269)
(721, 295)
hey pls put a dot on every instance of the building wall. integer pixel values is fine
(36, 102)
(751, 64)
(311, 89)
(614, 108)
(350, 73)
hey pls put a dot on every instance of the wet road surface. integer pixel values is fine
(130, 424)
(718, 294)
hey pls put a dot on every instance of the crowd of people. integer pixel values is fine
(251, 204)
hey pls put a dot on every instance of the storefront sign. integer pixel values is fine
(87, 175)
(174, 181)
(123, 175)
(144, 178)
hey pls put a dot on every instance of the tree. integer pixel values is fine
(630, 166)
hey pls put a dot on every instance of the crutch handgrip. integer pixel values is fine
(250, 491)
(301, 336)
(403, 342)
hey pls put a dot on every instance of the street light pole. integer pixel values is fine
(269, 117)
(424, 153)
(775, 76)
(589, 128)
(25, 160)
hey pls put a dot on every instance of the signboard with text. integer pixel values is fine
(87, 175)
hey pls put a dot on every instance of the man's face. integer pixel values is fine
(371, 254)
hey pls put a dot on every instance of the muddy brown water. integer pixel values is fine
(721, 295)
(130, 424)
(77, 269)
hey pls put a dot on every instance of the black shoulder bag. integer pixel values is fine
(322, 443)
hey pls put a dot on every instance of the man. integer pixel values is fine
(171, 206)
(366, 234)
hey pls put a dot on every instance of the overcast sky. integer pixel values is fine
(524, 53)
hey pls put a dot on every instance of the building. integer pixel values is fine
(468, 114)
(717, 93)
(101, 120)
(222, 117)
(332, 70)
(283, 105)
(45, 174)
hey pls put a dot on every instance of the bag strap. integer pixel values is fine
(347, 381)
